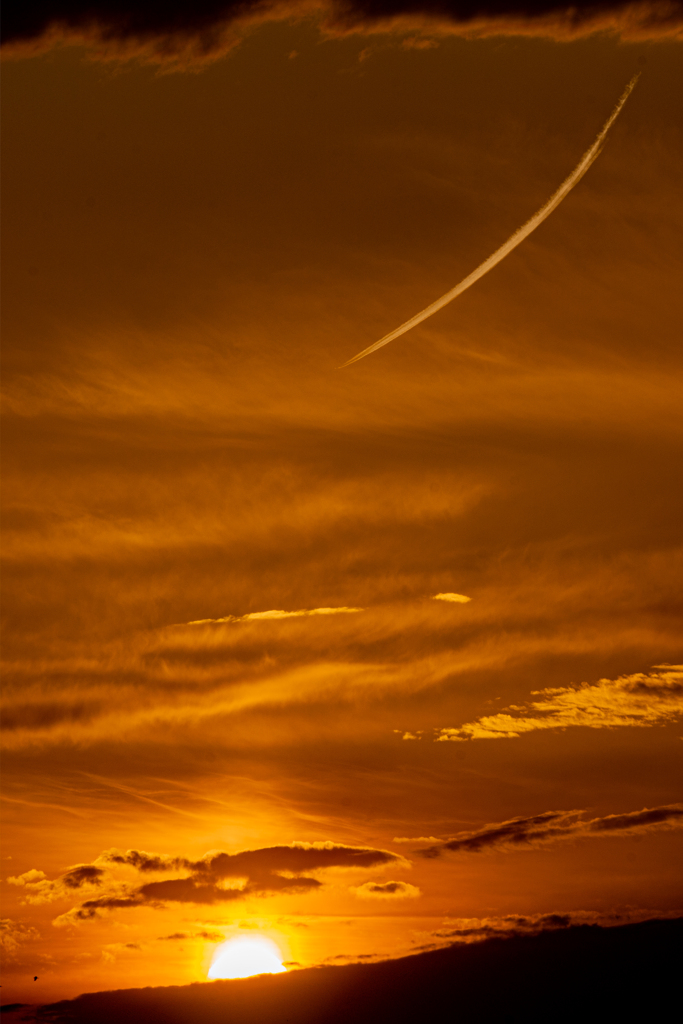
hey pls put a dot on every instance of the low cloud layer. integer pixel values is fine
(556, 826)
(635, 700)
(216, 878)
(178, 33)
(476, 929)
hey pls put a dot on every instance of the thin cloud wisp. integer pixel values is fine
(275, 613)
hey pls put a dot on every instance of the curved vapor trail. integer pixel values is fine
(514, 240)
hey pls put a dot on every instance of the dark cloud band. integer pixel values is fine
(264, 872)
(552, 826)
(175, 26)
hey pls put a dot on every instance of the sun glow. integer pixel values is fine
(240, 958)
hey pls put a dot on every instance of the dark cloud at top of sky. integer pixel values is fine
(552, 826)
(205, 29)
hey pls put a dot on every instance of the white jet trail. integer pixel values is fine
(514, 240)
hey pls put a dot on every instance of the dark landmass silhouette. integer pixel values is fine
(578, 973)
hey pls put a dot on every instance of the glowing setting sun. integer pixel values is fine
(241, 958)
(342, 555)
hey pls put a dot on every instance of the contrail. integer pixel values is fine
(514, 240)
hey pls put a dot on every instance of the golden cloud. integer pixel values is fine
(276, 613)
(13, 934)
(39, 888)
(636, 700)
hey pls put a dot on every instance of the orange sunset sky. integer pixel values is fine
(362, 660)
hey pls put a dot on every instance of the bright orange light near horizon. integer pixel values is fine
(243, 957)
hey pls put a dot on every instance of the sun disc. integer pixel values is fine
(242, 958)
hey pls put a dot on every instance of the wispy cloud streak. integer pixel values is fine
(554, 826)
(565, 188)
(275, 613)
